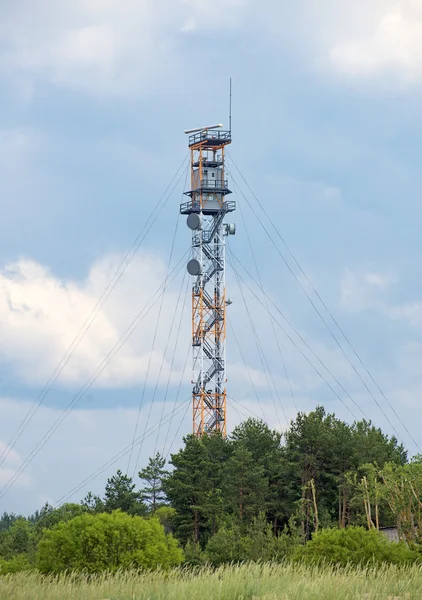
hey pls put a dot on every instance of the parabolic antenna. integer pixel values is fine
(194, 268)
(193, 221)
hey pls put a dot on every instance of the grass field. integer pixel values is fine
(244, 582)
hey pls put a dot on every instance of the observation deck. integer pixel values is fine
(209, 207)
(210, 138)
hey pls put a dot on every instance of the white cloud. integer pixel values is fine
(6, 473)
(12, 456)
(368, 291)
(410, 312)
(103, 45)
(40, 316)
(17, 147)
(364, 290)
(10, 461)
(394, 43)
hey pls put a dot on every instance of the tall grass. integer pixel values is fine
(267, 581)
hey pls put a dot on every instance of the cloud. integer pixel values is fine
(113, 46)
(369, 291)
(408, 312)
(40, 316)
(10, 464)
(363, 39)
(364, 290)
(392, 44)
(17, 147)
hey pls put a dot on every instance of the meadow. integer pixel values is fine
(243, 582)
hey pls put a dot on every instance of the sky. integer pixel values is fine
(95, 96)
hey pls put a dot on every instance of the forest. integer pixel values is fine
(257, 495)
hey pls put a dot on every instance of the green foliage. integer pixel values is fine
(15, 564)
(233, 543)
(154, 475)
(120, 494)
(371, 445)
(93, 503)
(193, 486)
(7, 519)
(256, 495)
(102, 542)
(354, 546)
(194, 555)
(17, 540)
(244, 484)
(49, 517)
(167, 517)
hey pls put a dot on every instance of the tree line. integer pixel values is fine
(253, 495)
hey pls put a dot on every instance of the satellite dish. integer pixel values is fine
(193, 221)
(193, 267)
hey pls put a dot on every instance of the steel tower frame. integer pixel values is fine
(206, 211)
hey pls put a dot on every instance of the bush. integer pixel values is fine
(355, 546)
(228, 545)
(232, 543)
(194, 555)
(15, 565)
(166, 515)
(95, 543)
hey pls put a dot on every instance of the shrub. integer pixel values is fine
(15, 565)
(232, 543)
(356, 546)
(166, 515)
(194, 555)
(95, 543)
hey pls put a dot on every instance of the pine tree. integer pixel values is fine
(93, 503)
(193, 487)
(120, 494)
(186, 487)
(245, 486)
(154, 475)
(265, 446)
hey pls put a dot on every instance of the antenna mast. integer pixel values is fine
(206, 210)
(230, 107)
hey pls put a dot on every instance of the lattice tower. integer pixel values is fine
(206, 210)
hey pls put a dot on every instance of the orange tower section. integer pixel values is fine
(206, 210)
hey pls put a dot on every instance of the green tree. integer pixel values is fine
(18, 539)
(317, 452)
(166, 515)
(49, 517)
(265, 446)
(192, 487)
(7, 519)
(93, 503)
(96, 543)
(153, 475)
(245, 486)
(120, 494)
(256, 542)
(263, 443)
(371, 445)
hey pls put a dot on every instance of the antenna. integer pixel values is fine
(197, 129)
(230, 107)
